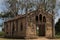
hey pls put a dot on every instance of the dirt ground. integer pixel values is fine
(29, 39)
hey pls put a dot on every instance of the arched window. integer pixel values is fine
(44, 19)
(36, 18)
(40, 17)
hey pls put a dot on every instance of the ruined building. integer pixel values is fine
(31, 25)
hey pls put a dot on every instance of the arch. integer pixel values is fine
(44, 19)
(36, 18)
(40, 18)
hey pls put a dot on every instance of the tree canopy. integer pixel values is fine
(29, 5)
(18, 6)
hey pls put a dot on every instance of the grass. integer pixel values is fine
(57, 35)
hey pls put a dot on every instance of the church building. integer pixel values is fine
(35, 24)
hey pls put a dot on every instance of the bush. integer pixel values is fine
(2, 33)
(58, 33)
(57, 27)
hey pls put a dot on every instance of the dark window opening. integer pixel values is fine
(40, 17)
(16, 25)
(13, 27)
(21, 27)
(6, 32)
(44, 19)
(16, 13)
(36, 18)
(7, 26)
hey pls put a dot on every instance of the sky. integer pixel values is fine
(2, 8)
(57, 7)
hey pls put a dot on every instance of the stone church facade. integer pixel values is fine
(35, 24)
(31, 25)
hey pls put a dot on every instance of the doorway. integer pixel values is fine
(41, 30)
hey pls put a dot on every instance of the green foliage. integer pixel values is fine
(58, 36)
(57, 27)
(6, 15)
(2, 33)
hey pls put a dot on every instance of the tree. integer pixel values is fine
(12, 6)
(15, 5)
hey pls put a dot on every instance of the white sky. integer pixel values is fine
(57, 1)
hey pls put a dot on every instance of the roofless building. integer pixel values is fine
(32, 25)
